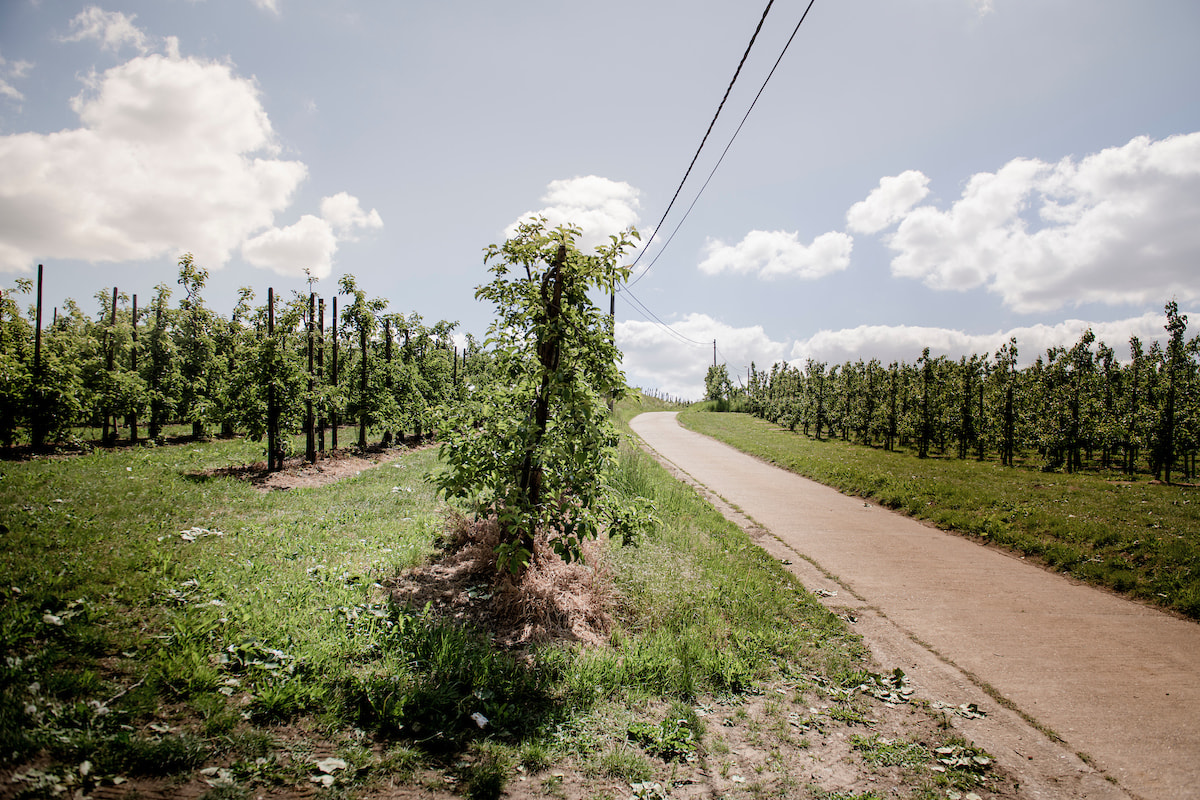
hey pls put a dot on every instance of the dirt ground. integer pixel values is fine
(330, 467)
(1087, 694)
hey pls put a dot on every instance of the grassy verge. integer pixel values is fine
(1136, 537)
(162, 627)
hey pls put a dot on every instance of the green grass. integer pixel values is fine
(1136, 537)
(146, 652)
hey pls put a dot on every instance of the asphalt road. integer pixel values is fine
(1088, 694)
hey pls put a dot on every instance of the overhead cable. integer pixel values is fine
(650, 316)
(728, 89)
(679, 224)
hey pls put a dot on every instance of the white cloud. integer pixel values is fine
(172, 155)
(112, 29)
(312, 242)
(888, 203)
(1120, 226)
(905, 342)
(343, 212)
(770, 254)
(10, 71)
(599, 206)
(268, 5)
(10, 91)
(655, 359)
(309, 244)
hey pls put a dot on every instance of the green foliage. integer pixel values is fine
(161, 365)
(625, 763)
(882, 751)
(717, 385)
(534, 444)
(451, 674)
(485, 775)
(1073, 408)
(674, 739)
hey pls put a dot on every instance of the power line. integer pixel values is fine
(719, 160)
(728, 89)
(650, 316)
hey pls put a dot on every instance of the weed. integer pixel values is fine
(184, 670)
(881, 751)
(673, 739)
(282, 699)
(401, 761)
(484, 777)
(848, 714)
(820, 794)
(553, 786)
(960, 764)
(535, 757)
(124, 753)
(251, 743)
(217, 715)
(624, 764)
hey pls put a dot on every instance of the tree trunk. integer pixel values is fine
(548, 351)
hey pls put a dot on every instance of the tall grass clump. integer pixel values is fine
(701, 608)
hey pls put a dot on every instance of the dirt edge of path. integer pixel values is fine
(1046, 769)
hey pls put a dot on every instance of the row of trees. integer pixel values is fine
(525, 425)
(1074, 407)
(269, 370)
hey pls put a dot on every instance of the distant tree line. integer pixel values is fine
(284, 367)
(1073, 408)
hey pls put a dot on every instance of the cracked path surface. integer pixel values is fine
(1087, 694)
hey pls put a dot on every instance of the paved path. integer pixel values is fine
(1071, 671)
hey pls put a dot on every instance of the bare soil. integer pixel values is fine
(330, 467)
(551, 602)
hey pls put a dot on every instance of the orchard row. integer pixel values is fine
(289, 366)
(1073, 407)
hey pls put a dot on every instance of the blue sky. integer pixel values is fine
(940, 173)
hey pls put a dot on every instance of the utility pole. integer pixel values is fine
(714, 352)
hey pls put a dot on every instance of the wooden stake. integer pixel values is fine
(131, 417)
(37, 423)
(272, 413)
(333, 414)
(310, 434)
(321, 372)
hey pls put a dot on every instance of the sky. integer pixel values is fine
(915, 173)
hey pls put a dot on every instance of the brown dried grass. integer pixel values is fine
(551, 601)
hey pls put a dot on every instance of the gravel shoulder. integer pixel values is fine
(1087, 694)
